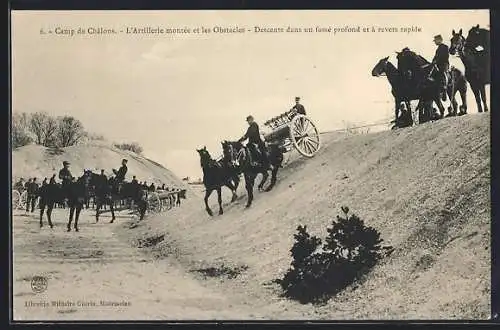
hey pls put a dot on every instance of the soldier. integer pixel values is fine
(253, 136)
(299, 108)
(120, 174)
(441, 60)
(19, 186)
(52, 179)
(32, 195)
(65, 174)
(134, 180)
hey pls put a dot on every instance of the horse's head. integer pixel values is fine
(205, 158)
(477, 37)
(457, 42)
(380, 69)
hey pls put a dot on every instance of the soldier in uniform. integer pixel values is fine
(441, 60)
(254, 139)
(66, 178)
(120, 174)
(299, 108)
(32, 195)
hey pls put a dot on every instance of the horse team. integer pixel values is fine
(415, 78)
(75, 195)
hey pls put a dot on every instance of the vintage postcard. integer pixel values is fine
(250, 165)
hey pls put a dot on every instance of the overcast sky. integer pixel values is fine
(175, 93)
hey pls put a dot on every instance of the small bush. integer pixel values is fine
(350, 250)
(134, 147)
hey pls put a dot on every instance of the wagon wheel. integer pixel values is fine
(154, 202)
(23, 200)
(304, 136)
(16, 198)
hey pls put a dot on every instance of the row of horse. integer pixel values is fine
(77, 193)
(474, 52)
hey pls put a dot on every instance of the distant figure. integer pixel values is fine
(299, 108)
(44, 182)
(255, 143)
(32, 195)
(120, 174)
(52, 179)
(163, 187)
(441, 60)
(145, 185)
(152, 187)
(134, 180)
(19, 186)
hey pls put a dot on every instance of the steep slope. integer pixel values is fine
(38, 161)
(426, 189)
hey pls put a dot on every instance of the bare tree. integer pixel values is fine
(134, 147)
(20, 130)
(69, 131)
(43, 128)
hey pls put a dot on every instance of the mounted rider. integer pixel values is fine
(66, 177)
(122, 171)
(441, 60)
(255, 144)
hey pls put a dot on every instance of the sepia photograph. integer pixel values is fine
(250, 165)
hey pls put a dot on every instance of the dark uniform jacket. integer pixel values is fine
(252, 134)
(65, 176)
(300, 109)
(120, 175)
(442, 55)
(32, 188)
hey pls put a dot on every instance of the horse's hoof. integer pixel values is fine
(69, 229)
(41, 226)
(111, 221)
(76, 229)
(221, 212)
(51, 226)
(247, 206)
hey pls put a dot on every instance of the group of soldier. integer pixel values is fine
(32, 187)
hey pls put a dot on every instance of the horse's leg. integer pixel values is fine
(71, 213)
(249, 182)
(79, 208)
(274, 175)
(396, 109)
(219, 199)
(482, 91)
(437, 100)
(208, 192)
(232, 187)
(463, 97)
(50, 207)
(477, 95)
(265, 175)
(42, 210)
(97, 208)
(112, 208)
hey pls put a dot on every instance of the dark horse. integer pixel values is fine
(53, 193)
(215, 176)
(424, 90)
(476, 62)
(109, 191)
(239, 156)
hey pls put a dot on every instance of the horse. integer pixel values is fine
(424, 92)
(239, 157)
(476, 63)
(89, 189)
(53, 193)
(215, 176)
(109, 191)
(419, 69)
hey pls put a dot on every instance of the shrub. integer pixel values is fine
(134, 147)
(350, 251)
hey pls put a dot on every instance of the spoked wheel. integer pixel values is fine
(154, 202)
(304, 136)
(23, 200)
(16, 198)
